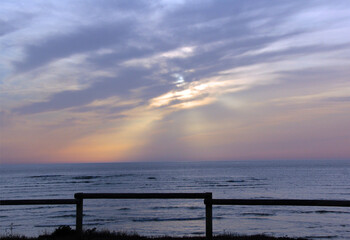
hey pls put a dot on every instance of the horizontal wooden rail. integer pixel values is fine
(38, 202)
(207, 197)
(140, 195)
(282, 202)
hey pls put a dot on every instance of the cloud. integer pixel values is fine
(5, 28)
(83, 40)
(104, 88)
(340, 99)
(155, 62)
(215, 50)
(205, 67)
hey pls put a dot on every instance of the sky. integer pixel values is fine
(176, 80)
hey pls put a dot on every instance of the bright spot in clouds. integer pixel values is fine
(174, 80)
(179, 79)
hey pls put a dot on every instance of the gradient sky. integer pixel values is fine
(97, 81)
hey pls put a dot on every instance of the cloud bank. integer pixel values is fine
(174, 80)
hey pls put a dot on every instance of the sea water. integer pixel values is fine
(236, 179)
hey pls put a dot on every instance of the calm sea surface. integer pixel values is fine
(258, 179)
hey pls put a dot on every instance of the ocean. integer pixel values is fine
(236, 179)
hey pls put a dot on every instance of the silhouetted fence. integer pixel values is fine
(207, 197)
(39, 202)
(282, 202)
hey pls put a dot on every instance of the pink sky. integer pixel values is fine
(174, 80)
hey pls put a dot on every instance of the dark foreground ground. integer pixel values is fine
(66, 233)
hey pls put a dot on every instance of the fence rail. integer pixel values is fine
(207, 197)
(141, 195)
(38, 202)
(282, 202)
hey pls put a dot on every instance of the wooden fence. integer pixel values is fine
(207, 197)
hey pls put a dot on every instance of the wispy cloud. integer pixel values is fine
(122, 73)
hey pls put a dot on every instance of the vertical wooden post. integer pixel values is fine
(79, 213)
(208, 215)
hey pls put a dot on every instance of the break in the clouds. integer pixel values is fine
(174, 80)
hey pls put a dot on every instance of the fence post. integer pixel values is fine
(79, 213)
(208, 215)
